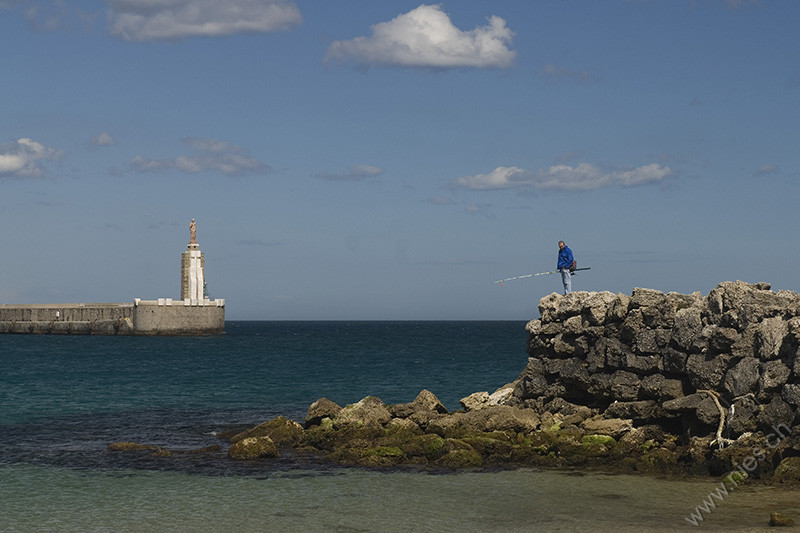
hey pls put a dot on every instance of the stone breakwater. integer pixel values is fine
(709, 381)
(652, 382)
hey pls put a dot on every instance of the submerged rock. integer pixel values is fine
(280, 430)
(130, 447)
(780, 520)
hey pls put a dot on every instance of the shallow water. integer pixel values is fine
(56, 499)
(64, 399)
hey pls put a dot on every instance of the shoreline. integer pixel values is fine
(650, 382)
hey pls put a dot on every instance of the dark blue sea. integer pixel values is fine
(63, 399)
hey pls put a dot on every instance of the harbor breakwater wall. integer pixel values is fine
(720, 367)
(141, 317)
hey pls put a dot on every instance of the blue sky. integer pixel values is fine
(389, 160)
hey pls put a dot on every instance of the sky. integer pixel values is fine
(360, 160)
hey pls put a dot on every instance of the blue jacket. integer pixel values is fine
(565, 258)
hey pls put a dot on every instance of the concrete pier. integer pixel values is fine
(142, 317)
(76, 319)
(192, 314)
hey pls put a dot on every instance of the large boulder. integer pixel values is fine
(788, 471)
(322, 408)
(425, 402)
(742, 415)
(641, 411)
(596, 307)
(475, 401)
(658, 387)
(688, 403)
(687, 328)
(706, 371)
(769, 337)
(492, 418)
(613, 427)
(253, 448)
(774, 375)
(369, 411)
(743, 377)
(625, 385)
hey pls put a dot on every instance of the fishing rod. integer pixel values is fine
(500, 281)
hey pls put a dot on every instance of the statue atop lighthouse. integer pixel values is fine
(193, 270)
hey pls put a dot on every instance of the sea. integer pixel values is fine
(63, 399)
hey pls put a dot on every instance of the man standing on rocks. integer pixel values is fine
(565, 261)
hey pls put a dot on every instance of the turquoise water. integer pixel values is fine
(63, 399)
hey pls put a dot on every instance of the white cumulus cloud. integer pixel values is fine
(212, 155)
(425, 37)
(22, 158)
(153, 20)
(582, 177)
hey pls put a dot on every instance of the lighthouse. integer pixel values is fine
(193, 270)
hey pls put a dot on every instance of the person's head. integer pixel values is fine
(561, 245)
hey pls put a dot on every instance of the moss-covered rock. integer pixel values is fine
(281, 430)
(780, 520)
(747, 454)
(370, 411)
(326, 437)
(400, 432)
(322, 437)
(657, 460)
(788, 471)
(253, 448)
(604, 440)
(432, 446)
(566, 438)
(377, 456)
(492, 449)
(460, 458)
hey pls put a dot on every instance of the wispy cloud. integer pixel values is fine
(425, 37)
(767, 170)
(483, 210)
(154, 20)
(55, 15)
(354, 173)
(23, 158)
(582, 177)
(102, 139)
(212, 155)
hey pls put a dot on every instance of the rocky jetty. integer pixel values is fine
(652, 382)
(710, 383)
